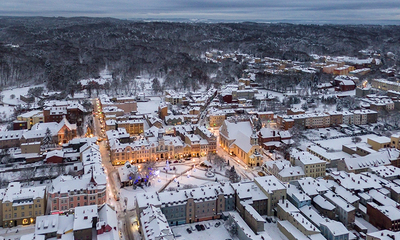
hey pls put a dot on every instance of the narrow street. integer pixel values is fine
(124, 217)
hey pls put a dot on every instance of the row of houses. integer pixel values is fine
(155, 145)
(328, 119)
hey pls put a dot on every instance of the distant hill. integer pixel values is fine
(59, 51)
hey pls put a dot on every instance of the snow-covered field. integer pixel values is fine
(150, 106)
(11, 98)
(337, 143)
(194, 177)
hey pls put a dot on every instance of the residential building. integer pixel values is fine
(21, 206)
(297, 197)
(31, 117)
(378, 142)
(273, 189)
(283, 170)
(395, 141)
(133, 127)
(333, 230)
(87, 222)
(383, 157)
(188, 206)
(311, 165)
(384, 217)
(345, 211)
(251, 203)
(385, 85)
(67, 192)
(154, 224)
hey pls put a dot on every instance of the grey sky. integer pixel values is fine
(356, 11)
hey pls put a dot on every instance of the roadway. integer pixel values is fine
(123, 216)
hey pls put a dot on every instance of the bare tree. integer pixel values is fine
(216, 160)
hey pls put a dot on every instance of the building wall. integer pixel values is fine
(22, 214)
(176, 214)
(70, 200)
(380, 220)
(377, 145)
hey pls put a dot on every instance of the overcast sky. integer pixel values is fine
(356, 11)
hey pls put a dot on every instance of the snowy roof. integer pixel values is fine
(233, 128)
(352, 181)
(253, 212)
(297, 234)
(379, 139)
(305, 158)
(295, 192)
(126, 171)
(83, 217)
(385, 235)
(328, 155)
(312, 215)
(46, 224)
(180, 197)
(55, 153)
(248, 232)
(287, 206)
(391, 212)
(338, 201)
(14, 134)
(154, 223)
(323, 203)
(269, 183)
(20, 196)
(295, 171)
(30, 114)
(380, 158)
(248, 191)
(382, 199)
(336, 228)
(311, 186)
(107, 217)
(243, 141)
(303, 221)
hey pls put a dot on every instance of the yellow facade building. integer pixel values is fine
(21, 206)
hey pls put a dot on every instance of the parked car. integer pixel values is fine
(198, 227)
(207, 225)
(202, 227)
(176, 161)
(188, 230)
(217, 224)
(193, 228)
(261, 174)
(268, 219)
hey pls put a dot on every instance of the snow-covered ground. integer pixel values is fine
(212, 233)
(150, 106)
(195, 177)
(273, 231)
(11, 98)
(15, 233)
(336, 144)
(17, 92)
